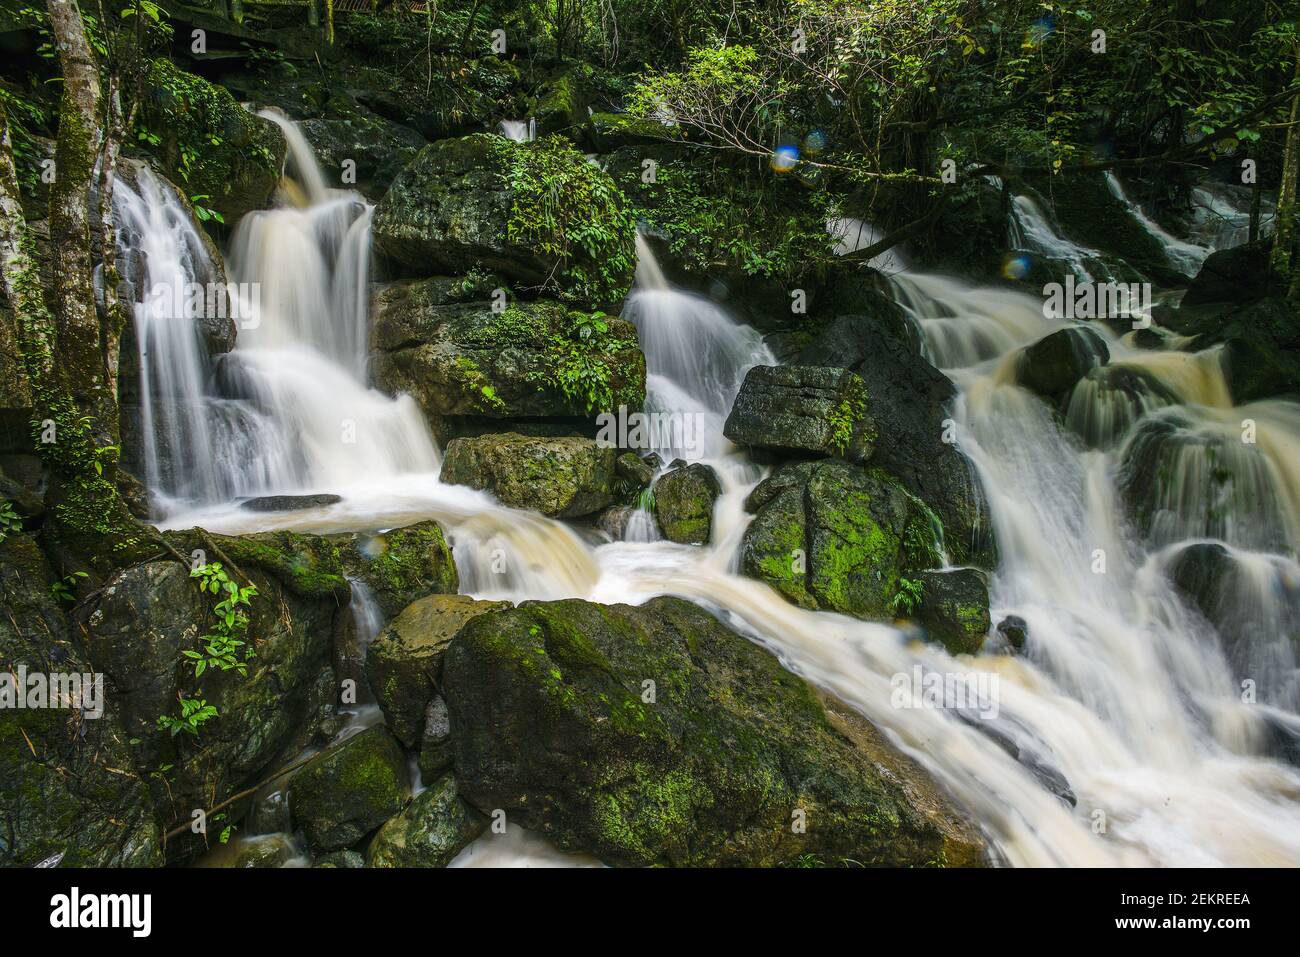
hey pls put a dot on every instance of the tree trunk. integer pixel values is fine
(1284, 234)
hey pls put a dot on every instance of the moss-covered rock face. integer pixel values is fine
(955, 608)
(401, 565)
(404, 663)
(147, 615)
(536, 212)
(829, 535)
(71, 788)
(466, 362)
(208, 143)
(909, 403)
(683, 504)
(380, 148)
(349, 790)
(1053, 365)
(563, 477)
(803, 410)
(435, 827)
(654, 735)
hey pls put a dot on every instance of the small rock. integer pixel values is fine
(1052, 365)
(955, 608)
(435, 746)
(1015, 630)
(636, 470)
(347, 791)
(289, 503)
(434, 828)
(683, 504)
(349, 859)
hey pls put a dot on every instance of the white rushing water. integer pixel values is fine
(1124, 694)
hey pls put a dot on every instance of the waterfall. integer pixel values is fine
(1186, 257)
(1122, 736)
(521, 131)
(289, 409)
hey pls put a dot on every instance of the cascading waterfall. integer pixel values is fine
(1186, 257)
(1124, 708)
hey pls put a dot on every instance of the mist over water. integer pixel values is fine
(1125, 699)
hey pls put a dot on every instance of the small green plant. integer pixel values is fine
(908, 596)
(63, 588)
(221, 645)
(195, 712)
(203, 212)
(10, 521)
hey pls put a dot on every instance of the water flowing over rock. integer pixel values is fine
(803, 410)
(552, 726)
(1052, 366)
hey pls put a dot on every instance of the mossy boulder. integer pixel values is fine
(404, 663)
(72, 790)
(401, 564)
(731, 760)
(468, 362)
(435, 827)
(380, 148)
(954, 608)
(611, 131)
(683, 503)
(538, 213)
(829, 535)
(144, 617)
(1053, 365)
(909, 405)
(563, 476)
(206, 140)
(349, 789)
(803, 411)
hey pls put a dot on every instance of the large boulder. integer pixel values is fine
(1237, 275)
(563, 476)
(465, 362)
(144, 618)
(536, 212)
(379, 148)
(435, 827)
(349, 789)
(655, 735)
(1260, 339)
(683, 503)
(802, 411)
(210, 142)
(910, 409)
(1053, 365)
(829, 535)
(954, 608)
(404, 663)
(72, 791)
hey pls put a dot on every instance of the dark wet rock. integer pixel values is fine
(465, 360)
(909, 407)
(379, 148)
(71, 788)
(347, 859)
(954, 608)
(683, 503)
(803, 410)
(1054, 364)
(552, 726)
(289, 503)
(634, 469)
(271, 851)
(564, 477)
(347, 791)
(829, 535)
(1110, 399)
(404, 663)
(1234, 276)
(145, 616)
(1261, 340)
(435, 827)
(1015, 630)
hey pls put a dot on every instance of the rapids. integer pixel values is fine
(1124, 700)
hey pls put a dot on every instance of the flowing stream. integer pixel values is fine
(1124, 700)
